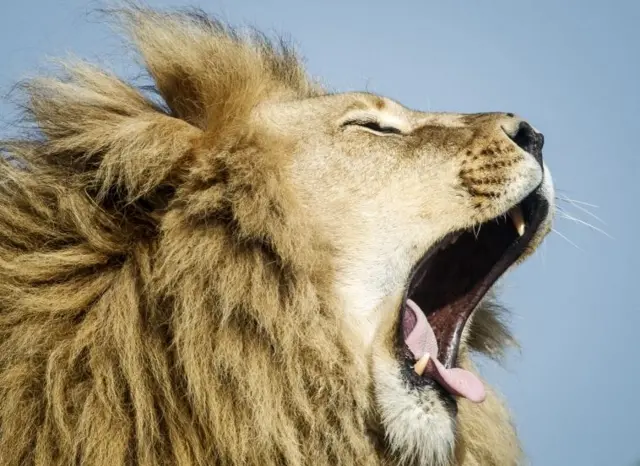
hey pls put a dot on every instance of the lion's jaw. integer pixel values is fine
(401, 191)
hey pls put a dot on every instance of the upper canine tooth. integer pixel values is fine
(517, 219)
(421, 365)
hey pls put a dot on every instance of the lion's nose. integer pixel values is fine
(529, 140)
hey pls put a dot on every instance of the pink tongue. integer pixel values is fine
(421, 340)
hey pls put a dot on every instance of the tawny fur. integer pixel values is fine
(161, 301)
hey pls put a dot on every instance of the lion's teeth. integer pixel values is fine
(421, 365)
(517, 219)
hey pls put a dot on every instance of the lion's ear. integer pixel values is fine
(104, 135)
(207, 73)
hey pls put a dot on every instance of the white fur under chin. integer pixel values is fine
(418, 428)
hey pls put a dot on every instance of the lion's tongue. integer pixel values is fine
(420, 339)
(418, 334)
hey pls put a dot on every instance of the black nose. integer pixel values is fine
(529, 140)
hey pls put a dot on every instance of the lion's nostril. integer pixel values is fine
(529, 140)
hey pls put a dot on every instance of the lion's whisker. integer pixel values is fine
(568, 216)
(567, 239)
(583, 209)
(572, 201)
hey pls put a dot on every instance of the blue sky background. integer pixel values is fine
(573, 69)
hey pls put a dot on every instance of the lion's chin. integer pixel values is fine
(418, 423)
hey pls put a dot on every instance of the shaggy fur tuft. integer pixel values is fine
(156, 305)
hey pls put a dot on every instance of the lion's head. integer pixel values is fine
(244, 269)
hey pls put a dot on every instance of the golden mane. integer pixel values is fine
(156, 306)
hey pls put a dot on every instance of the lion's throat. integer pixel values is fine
(421, 340)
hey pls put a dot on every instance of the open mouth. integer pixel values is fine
(449, 282)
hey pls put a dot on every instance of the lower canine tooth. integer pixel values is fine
(421, 365)
(517, 219)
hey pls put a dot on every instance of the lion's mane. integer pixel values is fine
(157, 306)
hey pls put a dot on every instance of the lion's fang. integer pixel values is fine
(421, 365)
(517, 219)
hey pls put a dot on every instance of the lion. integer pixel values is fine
(239, 267)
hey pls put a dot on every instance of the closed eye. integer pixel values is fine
(373, 126)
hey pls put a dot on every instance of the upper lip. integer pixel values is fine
(449, 301)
